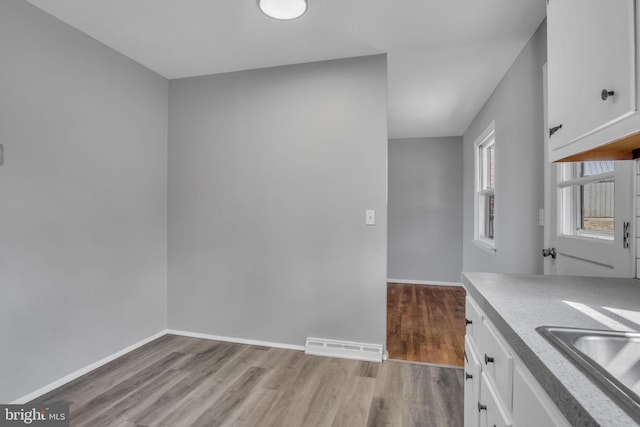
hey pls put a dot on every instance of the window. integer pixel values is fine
(485, 154)
(587, 199)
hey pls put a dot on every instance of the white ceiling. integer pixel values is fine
(445, 57)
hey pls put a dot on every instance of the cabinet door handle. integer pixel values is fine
(487, 359)
(481, 407)
(554, 130)
(467, 321)
(467, 376)
(606, 94)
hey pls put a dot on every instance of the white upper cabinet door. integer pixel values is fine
(591, 66)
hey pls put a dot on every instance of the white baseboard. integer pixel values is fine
(424, 282)
(236, 340)
(80, 372)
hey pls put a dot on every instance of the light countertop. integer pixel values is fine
(518, 304)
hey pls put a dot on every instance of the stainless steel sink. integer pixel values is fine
(610, 358)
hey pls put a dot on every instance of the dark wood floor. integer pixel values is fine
(179, 381)
(426, 323)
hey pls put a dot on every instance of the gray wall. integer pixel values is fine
(517, 108)
(270, 174)
(83, 185)
(425, 209)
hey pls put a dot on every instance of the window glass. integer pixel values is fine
(489, 216)
(588, 191)
(491, 168)
(597, 207)
(485, 156)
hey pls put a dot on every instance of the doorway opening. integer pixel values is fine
(425, 323)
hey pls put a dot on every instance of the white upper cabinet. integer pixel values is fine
(591, 72)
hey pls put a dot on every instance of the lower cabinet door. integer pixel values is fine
(492, 413)
(474, 318)
(471, 384)
(497, 363)
(532, 407)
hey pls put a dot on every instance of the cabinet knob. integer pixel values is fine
(606, 94)
(467, 376)
(481, 407)
(487, 359)
(467, 321)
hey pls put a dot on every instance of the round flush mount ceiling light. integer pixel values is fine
(283, 9)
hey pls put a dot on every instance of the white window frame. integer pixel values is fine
(569, 215)
(485, 140)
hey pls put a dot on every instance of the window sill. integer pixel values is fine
(485, 247)
(602, 237)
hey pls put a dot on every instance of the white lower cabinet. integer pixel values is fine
(492, 413)
(497, 363)
(499, 390)
(472, 371)
(531, 405)
(473, 319)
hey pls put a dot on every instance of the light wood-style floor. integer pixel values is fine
(179, 381)
(426, 323)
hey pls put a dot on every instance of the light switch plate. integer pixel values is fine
(370, 217)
